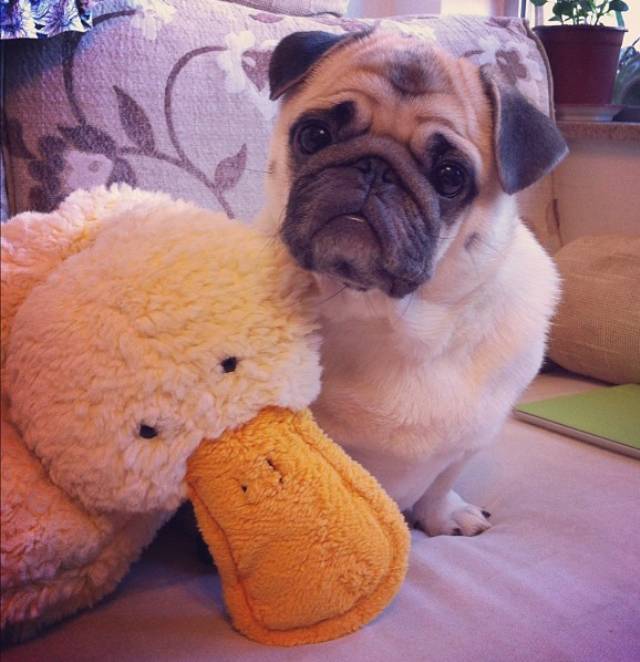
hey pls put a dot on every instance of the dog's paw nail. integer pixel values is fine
(456, 532)
(486, 513)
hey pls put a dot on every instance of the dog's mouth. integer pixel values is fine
(348, 249)
(370, 248)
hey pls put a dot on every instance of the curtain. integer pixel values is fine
(38, 19)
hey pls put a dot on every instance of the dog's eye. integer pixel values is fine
(229, 364)
(313, 136)
(449, 179)
(147, 432)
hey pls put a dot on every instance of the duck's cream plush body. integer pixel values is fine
(139, 334)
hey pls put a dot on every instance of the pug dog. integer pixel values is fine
(391, 177)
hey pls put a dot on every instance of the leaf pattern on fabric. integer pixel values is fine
(264, 17)
(39, 200)
(48, 169)
(122, 173)
(87, 138)
(511, 59)
(246, 69)
(511, 65)
(41, 171)
(151, 16)
(135, 122)
(229, 170)
(255, 64)
(13, 140)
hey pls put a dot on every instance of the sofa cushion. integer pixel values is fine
(597, 329)
(554, 580)
(298, 7)
(179, 100)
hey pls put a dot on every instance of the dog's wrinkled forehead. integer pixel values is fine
(411, 66)
(411, 73)
(409, 88)
(397, 85)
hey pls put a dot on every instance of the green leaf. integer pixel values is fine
(618, 5)
(564, 8)
(539, 3)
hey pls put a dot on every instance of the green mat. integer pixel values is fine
(608, 416)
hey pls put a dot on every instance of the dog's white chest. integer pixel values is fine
(410, 394)
(401, 418)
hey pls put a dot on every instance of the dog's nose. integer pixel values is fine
(376, 170)
(364, 165)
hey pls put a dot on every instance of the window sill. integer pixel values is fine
(610, 131)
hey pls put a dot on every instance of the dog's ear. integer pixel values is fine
(296, 54)
(527, 143)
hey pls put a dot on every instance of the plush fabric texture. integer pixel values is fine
(89, 354)
(307, 544)
(176, 98)
(34, 244)
(56, 556)
(136, 328)
(596, 331)
(554, 579)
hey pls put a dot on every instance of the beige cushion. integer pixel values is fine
(597, 329)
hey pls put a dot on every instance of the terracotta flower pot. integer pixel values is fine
(583, 60)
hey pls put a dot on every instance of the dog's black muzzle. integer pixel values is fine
(364, 213)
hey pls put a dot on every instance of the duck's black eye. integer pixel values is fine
(147, 432)
(313, 136)
(229, 364)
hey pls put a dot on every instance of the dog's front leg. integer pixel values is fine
(442, 511)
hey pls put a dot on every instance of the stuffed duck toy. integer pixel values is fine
(153, 352)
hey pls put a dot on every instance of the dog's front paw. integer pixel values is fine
(452, 516)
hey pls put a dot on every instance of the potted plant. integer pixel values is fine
(583, 53)
(627, 88)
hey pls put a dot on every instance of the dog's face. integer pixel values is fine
(383, 148)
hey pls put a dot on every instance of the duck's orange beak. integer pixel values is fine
(308, 545)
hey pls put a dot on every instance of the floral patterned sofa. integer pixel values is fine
(174, 97)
